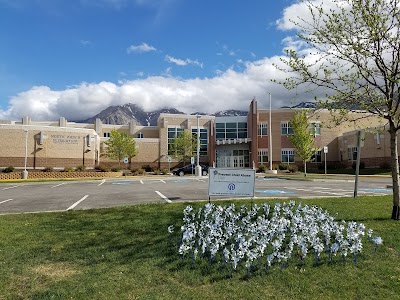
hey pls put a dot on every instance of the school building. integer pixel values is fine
(229, 142)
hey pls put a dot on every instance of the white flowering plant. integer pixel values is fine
(269, 236)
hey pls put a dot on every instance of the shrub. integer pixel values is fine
(48, 169)
(80, 168)
(362, 165)
(164, 171)
(147, 168)
(139, 172)
(384, 165)
(275, 167)
(157, 172)
(126, 173)
(115, 169)
(261, 168)
(9, 169)
(283, 167)
(103, 168)
(293, 169)
(68, 169)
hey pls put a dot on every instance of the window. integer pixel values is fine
(352, 153)
(139, 135)
(287, 155)
(231, 130)
(317, 157)
(262, 156)
(203, 140)
(315, 128)
(172, 133)
(106, 134)
(286, 128)
(262, 129)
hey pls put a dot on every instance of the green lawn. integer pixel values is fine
(125, 253)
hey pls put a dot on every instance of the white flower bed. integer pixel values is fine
(258, 234)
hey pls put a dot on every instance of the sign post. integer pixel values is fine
(325, 152)
(169, 164)
(192, 163)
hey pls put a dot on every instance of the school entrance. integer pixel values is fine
(233, 158)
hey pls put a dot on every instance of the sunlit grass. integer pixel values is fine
(125, 253)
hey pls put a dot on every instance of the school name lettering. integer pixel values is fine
(65, 139)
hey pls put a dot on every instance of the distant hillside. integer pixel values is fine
(123, 114)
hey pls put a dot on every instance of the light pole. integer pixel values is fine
(198, 167)
(25, 172)
(270, 137)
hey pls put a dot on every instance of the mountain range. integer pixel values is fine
(123, 114)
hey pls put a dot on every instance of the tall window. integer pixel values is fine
(139, 135)
(172, 133)
(287, 155)
(203, 140)
(286, 128)
(315, 128)
(106, 134)
(231, 130)
(352, 153)
(262, 129)
(262, 156)
(317, 157)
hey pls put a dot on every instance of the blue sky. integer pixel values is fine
(74, 58)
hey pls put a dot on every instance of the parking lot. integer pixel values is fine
(67, 195)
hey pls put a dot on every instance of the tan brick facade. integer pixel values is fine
(65, 144)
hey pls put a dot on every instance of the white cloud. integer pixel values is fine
(85, 43)
(142, 48)
(229, 89)
(183, 62)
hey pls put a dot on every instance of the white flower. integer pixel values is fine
(171, 229)
(377, 240)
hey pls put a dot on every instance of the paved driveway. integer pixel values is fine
(62, 196)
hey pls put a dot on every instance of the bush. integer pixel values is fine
(261, 168)
(283, 167)
(103, 168)
(275, 167)
(384, 165)
(68, 169)
(157, 172)
(293, 169)
(362, 165)
(139, 172)
(9, 169)
(164, 171)
(48, 169)
(80, 168)
(115, 169)
(126, 173)
(147, 168)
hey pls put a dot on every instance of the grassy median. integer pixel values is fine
(125, 253)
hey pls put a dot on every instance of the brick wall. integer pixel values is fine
(58, 175)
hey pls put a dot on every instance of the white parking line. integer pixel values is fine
(163, 181)
(102, 182)
(58, 185)
(5, 201)
(11, 187)
(141, 181)
(77, 202)
(164, 197)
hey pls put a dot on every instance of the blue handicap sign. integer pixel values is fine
(183, 180)
(122, 182)
(376, 190)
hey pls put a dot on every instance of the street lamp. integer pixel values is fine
(198, 167)
(270, 138)
(25, 172)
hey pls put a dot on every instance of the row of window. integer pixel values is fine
(139, 135)
(175, 131)
(287, 156)
(286, 129)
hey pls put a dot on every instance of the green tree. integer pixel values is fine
(302, 139)
(120, 145)
(183, 146)
(352, 52)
